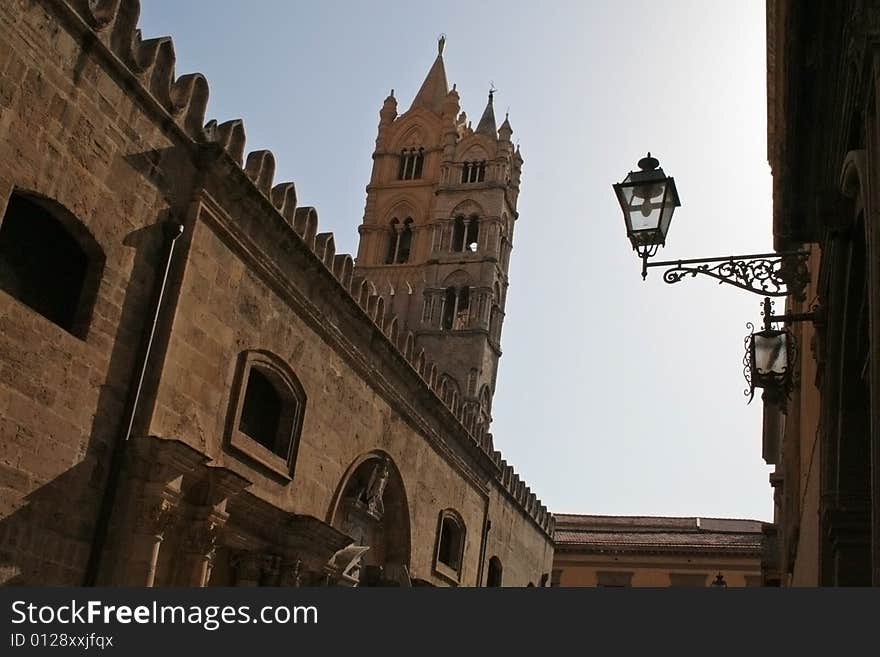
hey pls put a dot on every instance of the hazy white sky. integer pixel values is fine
(614, 396)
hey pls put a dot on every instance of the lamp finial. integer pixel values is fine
(649, 163)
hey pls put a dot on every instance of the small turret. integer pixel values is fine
(389, 109)
(505, 131)
(386, 117)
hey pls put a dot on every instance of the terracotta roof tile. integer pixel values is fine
(656, 533)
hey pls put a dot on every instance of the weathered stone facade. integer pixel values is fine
(823, 71)
(135, 447)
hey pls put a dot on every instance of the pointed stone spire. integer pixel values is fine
(486, 126)
(435, 87)
(505, 130)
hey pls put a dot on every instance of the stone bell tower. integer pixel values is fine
(438, 231)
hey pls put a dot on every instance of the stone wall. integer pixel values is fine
(93, 117)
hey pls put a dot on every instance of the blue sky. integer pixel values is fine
(615, 396)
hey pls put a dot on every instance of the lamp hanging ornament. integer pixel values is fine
(769, 361)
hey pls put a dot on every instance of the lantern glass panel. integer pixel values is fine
(641, 201)
(770, 354)
(670, 202)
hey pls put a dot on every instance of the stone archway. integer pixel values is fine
(371, 507)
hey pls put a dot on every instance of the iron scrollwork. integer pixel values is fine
(778, 386)
(769, 274)
(747, 363)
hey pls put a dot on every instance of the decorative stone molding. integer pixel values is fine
(154, 515)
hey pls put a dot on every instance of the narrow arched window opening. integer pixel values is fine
(450, 542)
(261, 412)
(393, 241)
(473, 234)
(419, 162)
(449, 308)
(458, 234)
(404, 241)
(411, 163)
(473, 172)
(463, 310)
(268, 408)
(49, 262)
(456, 308)
(495, 571)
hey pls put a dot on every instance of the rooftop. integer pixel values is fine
(656, 534)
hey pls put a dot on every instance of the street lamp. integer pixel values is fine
(648, 198)
(719, 581)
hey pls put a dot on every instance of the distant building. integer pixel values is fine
(650, 551)
(196, 389)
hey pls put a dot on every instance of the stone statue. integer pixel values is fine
(344, 566)
(376, 489)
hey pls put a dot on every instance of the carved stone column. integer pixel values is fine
(203, 524)
(156, 471)
(198, 545)
(154, 511)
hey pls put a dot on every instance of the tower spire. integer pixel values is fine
(433, 91)
(486, 126)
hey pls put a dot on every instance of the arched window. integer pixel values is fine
(411, 162)
(450, 544)
(419, 161)
(458, 233)
(449, 390)
(399, 241)
(472, 382)
(261, 412)
(465, 234)
(493, 578)
(495, 314)
(472, 236)
(472, 172)
(456, 308)
(485, 405)
(49, 261)
(268, 412)
(428, 310)
(405, 241)
(393, 240)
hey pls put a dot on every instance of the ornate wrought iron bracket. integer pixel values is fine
(815, 315)
(777, 384)
(767, 274)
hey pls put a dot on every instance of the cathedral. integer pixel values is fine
(195, 388)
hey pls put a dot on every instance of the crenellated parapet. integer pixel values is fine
(114, 23)
(517, 490)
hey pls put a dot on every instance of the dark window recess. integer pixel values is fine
(495, 571)
(400, 242)
(410, 164)
(456, 308)
(472, 172)
(449, 308)
(41, 264)
(465, 234)
(261, 413)
(473, 231)
(449, 550)
(393, 241)
(405, 243)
